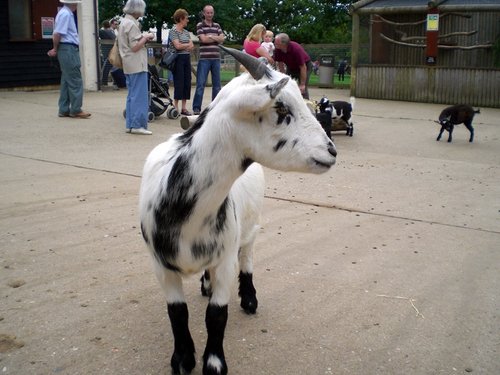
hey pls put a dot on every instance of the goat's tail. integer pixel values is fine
(478, 110)
(352, 99)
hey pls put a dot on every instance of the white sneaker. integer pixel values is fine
(140, 131)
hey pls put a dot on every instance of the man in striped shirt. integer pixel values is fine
(210, 35)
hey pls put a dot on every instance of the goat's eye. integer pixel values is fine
(283, 112)
(281, 109)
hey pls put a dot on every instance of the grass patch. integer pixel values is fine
(227, 75)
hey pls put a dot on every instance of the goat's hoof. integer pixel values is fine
(214, 364)
(249, 304)
(182, 363)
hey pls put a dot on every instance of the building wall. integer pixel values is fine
(25, 63)
(487, 25)
(460, 76)
(477, 87)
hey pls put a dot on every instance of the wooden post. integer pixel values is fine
(354, 52)
(432, 33)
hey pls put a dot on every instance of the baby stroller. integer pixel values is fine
(159, 89)
(159, 97)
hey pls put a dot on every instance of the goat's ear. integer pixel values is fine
(275, 88)
(250, 98)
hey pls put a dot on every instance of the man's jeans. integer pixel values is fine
(205, 66)
(71, 89)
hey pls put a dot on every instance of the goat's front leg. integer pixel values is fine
(450, 131)
(214, 362)
(183, 359)
(247, 290)
(468, 125)
(440, 133)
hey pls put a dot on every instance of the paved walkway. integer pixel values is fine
(388, 264)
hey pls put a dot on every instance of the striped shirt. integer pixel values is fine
(209, 50)
(182, 36)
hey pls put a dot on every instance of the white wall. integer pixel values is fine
(88, 40)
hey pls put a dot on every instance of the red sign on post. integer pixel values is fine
(432, 31)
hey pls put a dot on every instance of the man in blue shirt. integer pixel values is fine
(66, 47)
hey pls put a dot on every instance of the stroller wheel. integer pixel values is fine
(172, 113)
(124, 113)
(151, 116)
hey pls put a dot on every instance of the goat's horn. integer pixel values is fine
(256, 68)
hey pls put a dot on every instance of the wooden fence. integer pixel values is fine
(477, 87)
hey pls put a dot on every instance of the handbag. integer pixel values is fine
(114, 56)
(168, 59)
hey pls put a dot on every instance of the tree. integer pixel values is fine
(306, 21)
(109, 9)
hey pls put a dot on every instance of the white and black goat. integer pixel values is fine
(454, 115)
(202, 192)
(341, 113)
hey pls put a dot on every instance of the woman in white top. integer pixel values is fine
(131, 43)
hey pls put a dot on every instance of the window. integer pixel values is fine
(20, 20)
(29, 19)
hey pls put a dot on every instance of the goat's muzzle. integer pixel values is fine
(332, 150)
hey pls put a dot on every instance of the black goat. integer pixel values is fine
(454, 115)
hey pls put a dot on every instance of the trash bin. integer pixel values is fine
(326, 68)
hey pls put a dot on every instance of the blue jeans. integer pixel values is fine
(71, 91)
(205, 66)
(105, 72)
(137, 107)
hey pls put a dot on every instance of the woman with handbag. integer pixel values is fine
(182, 45)
(131, 44)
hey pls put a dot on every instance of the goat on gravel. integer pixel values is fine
(202, 192)
(454, 115)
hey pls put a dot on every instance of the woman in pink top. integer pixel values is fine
(252, 45)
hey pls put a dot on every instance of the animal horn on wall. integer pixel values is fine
(256, 68)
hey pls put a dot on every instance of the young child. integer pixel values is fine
(268, 42)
